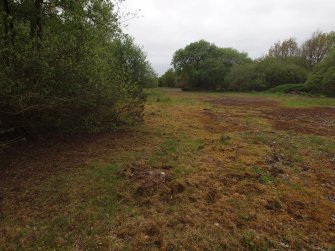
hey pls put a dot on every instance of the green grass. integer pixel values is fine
(165, 153)
(162, 96)
(225, 139)
(290, 100)
(154, 95)
(95, 207)
(320, 144)
(264, 177)
(67, 206)
(176, 151)
(288, 88)
(286, 100)
(301, 102)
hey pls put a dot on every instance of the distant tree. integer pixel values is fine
(281, 71)
(203, 66)
(287, 48)
(168, 79)
(317, 47)
(245, 77)
(322, 80)
(263, 74)
(150, 77)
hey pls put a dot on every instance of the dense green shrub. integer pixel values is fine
(264, 74)
(150, 77)
(245, 78)
(278, 71)
(67, 66)
(204, 66)
(168, 79)
(323, 78)
(130, 60)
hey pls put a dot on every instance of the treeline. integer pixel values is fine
(309, 67)
(68, 66)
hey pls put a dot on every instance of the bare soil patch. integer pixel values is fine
(149, 180)
(36, 159)
(244, 101)
(219, 122)
(318, 121)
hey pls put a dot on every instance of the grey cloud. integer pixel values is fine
(250, 26)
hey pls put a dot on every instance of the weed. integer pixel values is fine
(224, 139)
(265, 177)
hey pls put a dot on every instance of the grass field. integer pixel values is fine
(205, 171)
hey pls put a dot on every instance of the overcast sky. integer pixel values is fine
(163, 26)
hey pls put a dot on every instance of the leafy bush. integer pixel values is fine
(67, 66)
(245, 78)
(264, 74)
(204, 66)
(168, 79)
(323, 78)
(278, 71)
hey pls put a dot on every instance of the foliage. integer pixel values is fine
(168, 79)
(150, 78)
(287, 48)
(245, 77)
(133, 62)
(311, 52)
(264, 74)
(280, 71)
(323, 78)
(203, 66)
(315, 49)
(66, 65)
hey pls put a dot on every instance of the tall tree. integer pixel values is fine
(38, 17)
(202, 65)
(287, 48)
(322, 79)
(317, 47)
(75, 69)
(168, 79)
(8, 18)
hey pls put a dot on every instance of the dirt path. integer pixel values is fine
(204, 172)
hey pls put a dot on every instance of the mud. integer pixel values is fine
(317, 121)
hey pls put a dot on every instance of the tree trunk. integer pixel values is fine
(7, 16)
(38, 9)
